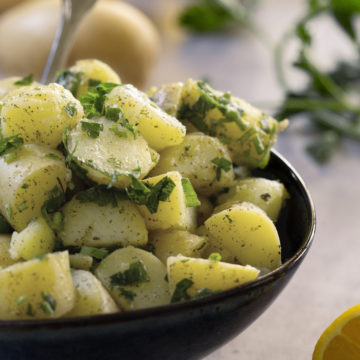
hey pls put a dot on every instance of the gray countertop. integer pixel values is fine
(328, 282)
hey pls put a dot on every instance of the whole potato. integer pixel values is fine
(113, 31)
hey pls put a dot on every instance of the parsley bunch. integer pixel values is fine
(327, 99)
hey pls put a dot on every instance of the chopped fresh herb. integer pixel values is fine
(215, 257)
(56, 199)
(10, 143)
(100, 195)
(229, 218)
(185, 261)
(30, 310)
(187, 148)
(52, 155)
(135, 274)
(150, 247)
(113, 113)
(191, 198)
(115, 129)
(8, 211)
(27, 80)
(10, 156)
(70, 109)
(69, 80)
(46, 307)
(142, 193)
(97, 253)
(205, 292)
(49, 299)
(23, 206)
(24, 186)
(92, 128)
(180, 293)
(222, 164)
(94, 82)
(129, 295)
(20, 300)
(125, 123)
(114, 162)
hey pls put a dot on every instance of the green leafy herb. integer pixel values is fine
(215, 257)
(115, 129)
(129, 295)
(52, 155)
(20, 300)
(135, 274)
(229, 218)
(191, 198)
(94, 82)
(150, 247)
(113, 113)
(69, 80)
(205, 292)
(50, 206)
(114, 162)
(23, 206)
(98, 253)
(101, 195)
(222, 164)
(49, 302)
(24, 186)
(10, 156)
(187, 148)
(92, 128)
(180, 293)
(125, 123)
(27, 80)
(11, 142)
(142, 193)
(70, 109)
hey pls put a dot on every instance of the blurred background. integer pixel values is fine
(297, 59)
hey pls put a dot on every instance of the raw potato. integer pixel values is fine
(24, 286)
(172, 213)
(173, 242)
(36, 239)
(91, 297)
(39, 114)
(111, 158)
(114, 32)
(5, 259)
(26, 182)
(207, 274)
(193, 159)
(93, 69)
(158, 128)
(268, 195)
(138, 295)
(93, 225)
(248, 233)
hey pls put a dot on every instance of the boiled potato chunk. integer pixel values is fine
(172, 213)
(113, 156)
(90, 224)
(81, 261)
(36, 239)
(10, 84)
(5, 258)
(173, 242)
(91, 297)
(168, 97)
(135, 278)
(25, 183)
(39, 114)
(268, 195)
(89, 70)
(201, 158)
(207, 274)
(37, 289)
(248, 233)
(158, 128)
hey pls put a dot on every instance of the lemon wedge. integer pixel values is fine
(341, 340)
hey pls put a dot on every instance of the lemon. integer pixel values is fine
(341, 340)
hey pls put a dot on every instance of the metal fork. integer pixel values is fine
(72, 13)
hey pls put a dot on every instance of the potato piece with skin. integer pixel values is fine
(113, 156)
(248, 233)
(173, 212)
(88, 70)
(37, 289)
(91, 297)
(88, 223)
(197, 158)
(269, 195)
(5, 258)
(135, 278)
(39, 114)
(173, 242)
(158, 128)
(26, 182)
(36, 239)
(207, 274)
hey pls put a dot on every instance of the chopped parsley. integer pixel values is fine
(48, 305)
(113, 113)
(56, 199)
(70, 109)
(117, 131)
(52, 155)
(204, 292)
(191, 198)
(142, 193)
(180, 293)
(97, 253)
(114, 162)
(135, 274)
(11, 142)
(187, 148)
(100, 195)
(24, 186)
(27, 80)
(215, 257)
(92, 129)
(229, 218)
(222, 164)
(20, 300)
(69, 80)
(129, 295)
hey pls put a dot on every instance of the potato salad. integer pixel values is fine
(112, 199)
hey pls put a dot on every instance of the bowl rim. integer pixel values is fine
(156, 312)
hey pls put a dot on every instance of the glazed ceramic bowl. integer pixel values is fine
(185, 331)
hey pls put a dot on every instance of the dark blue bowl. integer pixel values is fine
(188, 330)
